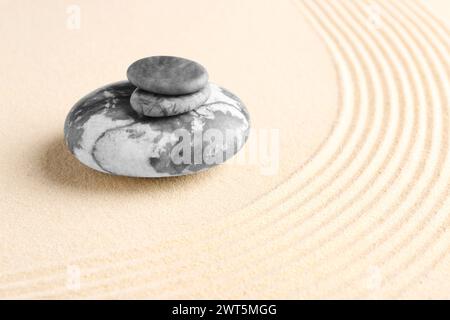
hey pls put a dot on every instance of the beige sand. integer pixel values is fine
(359, 206)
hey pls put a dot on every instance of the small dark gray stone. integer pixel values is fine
(167, 75)
(158, 105)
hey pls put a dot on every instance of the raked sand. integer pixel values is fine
(350, 200)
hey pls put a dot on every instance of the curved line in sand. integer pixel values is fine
(382, 241)
(408, 217)
(424, 227)
(442, 32)
(310, 249)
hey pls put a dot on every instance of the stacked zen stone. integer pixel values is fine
(168, 120)
(167, 86)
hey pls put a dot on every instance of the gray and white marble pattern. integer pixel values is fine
(104, 132)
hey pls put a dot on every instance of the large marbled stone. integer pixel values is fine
(158, 105)
(104, 132)
(167, 75)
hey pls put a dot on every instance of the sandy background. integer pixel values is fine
(358, 208)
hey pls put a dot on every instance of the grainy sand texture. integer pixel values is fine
(355, 94)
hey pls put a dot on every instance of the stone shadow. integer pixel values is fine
(58, 166)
